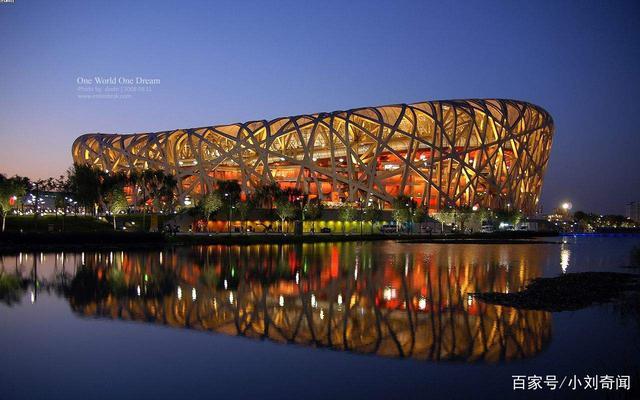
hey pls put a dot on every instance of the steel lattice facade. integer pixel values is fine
(491, 153)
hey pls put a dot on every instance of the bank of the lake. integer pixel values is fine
(118, 240)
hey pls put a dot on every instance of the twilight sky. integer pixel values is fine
(224, 62)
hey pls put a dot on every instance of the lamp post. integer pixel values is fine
(408, 214)
(302, 207)
(361, 216)
(369, 203)
(230, 216)
(412, 213)
(226, 199)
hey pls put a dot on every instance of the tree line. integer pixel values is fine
(94, 191)
(97, 192)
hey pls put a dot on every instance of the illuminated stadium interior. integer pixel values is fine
(490, 153)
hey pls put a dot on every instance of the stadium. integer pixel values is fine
(481, 152)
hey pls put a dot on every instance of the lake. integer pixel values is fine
(325, 320)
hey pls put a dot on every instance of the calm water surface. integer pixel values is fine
(336, 320)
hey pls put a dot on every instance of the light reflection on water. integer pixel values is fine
(565, 257)
(385, 299)
(382, 298)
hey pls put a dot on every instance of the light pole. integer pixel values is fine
(408, 217)
(412, 213)
(360, 214)
(230, 216)
(369, 203)
(226, 199)
(302, 207)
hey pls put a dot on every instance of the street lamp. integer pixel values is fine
(230, 216)
(226, 196)
(302, 208)
(361, 216)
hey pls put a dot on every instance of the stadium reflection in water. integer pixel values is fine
(390, 300)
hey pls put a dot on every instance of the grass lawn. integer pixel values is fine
(46, 223)
(72, 223)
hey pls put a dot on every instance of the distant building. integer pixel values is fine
(633, 211)
(46, 202)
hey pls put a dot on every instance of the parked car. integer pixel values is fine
(487, 229)
(506, 227)
(325, 230)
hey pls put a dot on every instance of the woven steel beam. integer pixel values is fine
(490, 153)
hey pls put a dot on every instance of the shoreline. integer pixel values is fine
(71, 241)
(568, 292)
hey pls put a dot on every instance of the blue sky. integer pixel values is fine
(223, 62)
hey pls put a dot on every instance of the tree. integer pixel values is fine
(116, 202)
(510, 217)
(230, 194)
(145, 182)
(210, 203)
(84, 184)
(157, 191)
(11, 192)
(63, 201)
(446, 216)
(285, 209)
(372, 214)
(108, 183)
(420, 216)
(347, 213)
(403, 207)
(313, 211)
(168, 192)
(479, 216)
(133, 178)
(243, 211)
(580, 216)
(462, 215)
(266, 194)
(36, 188)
